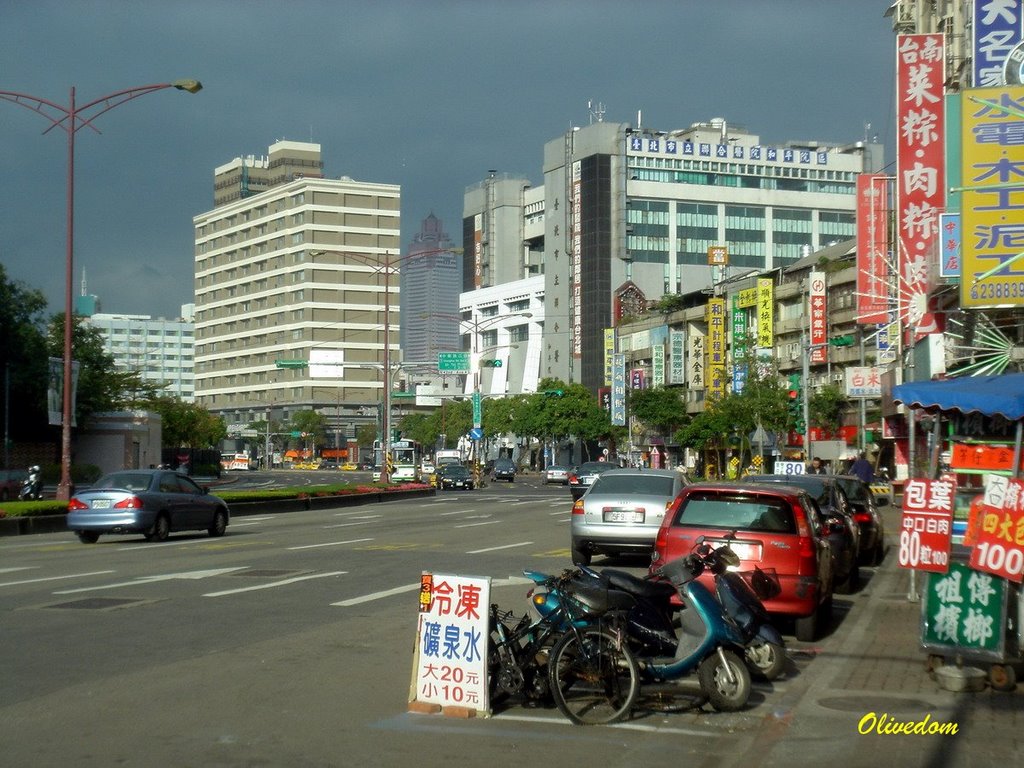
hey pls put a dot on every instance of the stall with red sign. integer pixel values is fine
(971, 604)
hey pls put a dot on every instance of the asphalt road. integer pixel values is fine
(289, 642)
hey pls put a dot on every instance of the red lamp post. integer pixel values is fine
(71, 119)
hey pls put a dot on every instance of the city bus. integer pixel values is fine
(405, 458)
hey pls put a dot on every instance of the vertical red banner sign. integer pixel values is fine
(819, 317)
(872, 266)
(921, 173)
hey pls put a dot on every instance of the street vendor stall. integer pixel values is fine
(972, 506)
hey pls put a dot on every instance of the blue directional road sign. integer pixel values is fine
(476, 433)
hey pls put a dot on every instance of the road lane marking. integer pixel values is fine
(53, 578)
(331, 544)
(454, 512)
(271, 585)
(471, 525)
(378, 595)
(415, 587)
(356, 517)
(192, 575)
(346, 525)
(495, 549)
(18, 568)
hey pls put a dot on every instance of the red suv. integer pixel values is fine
(772, 526)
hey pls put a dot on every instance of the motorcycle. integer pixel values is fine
(650, 621)
(32, 489)
(708, 643)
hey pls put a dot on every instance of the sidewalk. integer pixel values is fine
(877, 670)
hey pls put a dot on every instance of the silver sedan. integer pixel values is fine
(622, 512)
(152, 502)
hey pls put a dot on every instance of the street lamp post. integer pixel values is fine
(71, 119)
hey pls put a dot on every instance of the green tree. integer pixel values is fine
(101, 386)
(661, 407)
(826, 406)
(23, 364)
(312, 423)
(187, 425)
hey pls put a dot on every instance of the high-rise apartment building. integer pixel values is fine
(430, 294)
(293, 270)
(160, 350)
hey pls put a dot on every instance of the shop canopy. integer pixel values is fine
(989, 395)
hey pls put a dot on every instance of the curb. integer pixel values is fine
(20, 526)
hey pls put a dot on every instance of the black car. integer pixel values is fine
(456, 476)
(865, 512)
(836, 519)
(503, 469)
(583, 476)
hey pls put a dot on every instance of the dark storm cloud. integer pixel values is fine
(429, 95)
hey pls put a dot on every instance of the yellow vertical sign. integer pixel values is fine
(765, 312)
(714, 369)
(993, 134)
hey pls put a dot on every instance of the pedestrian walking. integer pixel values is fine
(816, 467)
(862, 468)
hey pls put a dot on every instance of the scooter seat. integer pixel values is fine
(627, 582)
(598, 601)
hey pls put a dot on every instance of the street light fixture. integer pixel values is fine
(388, 265)
(71, 119)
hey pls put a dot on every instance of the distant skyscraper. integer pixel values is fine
(430, 286)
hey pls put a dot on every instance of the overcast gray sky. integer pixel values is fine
(428, 94)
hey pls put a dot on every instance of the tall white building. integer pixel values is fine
(629, 214)
(159, 349)
(296, 269)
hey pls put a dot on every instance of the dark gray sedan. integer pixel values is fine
(153, 502)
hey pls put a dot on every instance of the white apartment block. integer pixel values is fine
(160, 350)
(298, 271)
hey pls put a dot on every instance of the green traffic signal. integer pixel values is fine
(490, 363)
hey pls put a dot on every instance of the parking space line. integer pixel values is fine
(271, 585)
(331, 544)
(495, 549)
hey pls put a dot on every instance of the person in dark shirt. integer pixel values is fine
(862, 468)
(816, 467)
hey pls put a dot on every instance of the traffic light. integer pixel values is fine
(552, 392)
(795, 393)
(490, 363)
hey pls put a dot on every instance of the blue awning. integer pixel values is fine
(988, 395)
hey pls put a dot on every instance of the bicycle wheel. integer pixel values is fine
(594, 678)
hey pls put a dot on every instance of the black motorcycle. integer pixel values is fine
(32, 488)
(650, 622)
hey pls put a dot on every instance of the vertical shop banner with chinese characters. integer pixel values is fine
(996, 30)
(576, 261)
(658, 365)
(450, 662)
(872, 247)
(609, 350)
(993, 198)
(819, 317)
(714, 369)
(999, 549)
(964, 609)
(765, 313)
(739, 346)
(677, 357)
(926, 526)
(920, 174)
(619, 390)
(696, 343)
(949, 249)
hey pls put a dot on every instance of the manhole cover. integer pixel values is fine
(267, 573)
(100, 603)
(872, 703)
